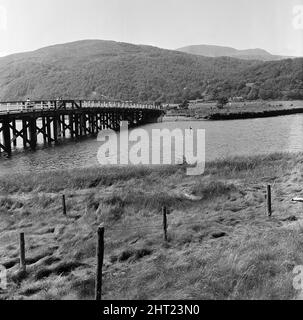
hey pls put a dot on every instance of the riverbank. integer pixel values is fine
(236, 110)
(221, 243)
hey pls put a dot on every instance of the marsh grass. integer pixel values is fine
(220, 247)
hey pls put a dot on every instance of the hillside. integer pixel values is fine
(220, 51)
(92, 68)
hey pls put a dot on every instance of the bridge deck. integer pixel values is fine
(14, 107)
(54, 119)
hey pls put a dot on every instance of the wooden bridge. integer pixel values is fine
(55, 119)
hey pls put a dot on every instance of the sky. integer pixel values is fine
(273, 25)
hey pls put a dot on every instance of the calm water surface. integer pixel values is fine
(223, 139)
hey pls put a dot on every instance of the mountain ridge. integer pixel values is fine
(91, 69)
(220, 51)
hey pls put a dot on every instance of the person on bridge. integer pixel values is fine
(28, 103)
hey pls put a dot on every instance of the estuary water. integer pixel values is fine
(222, 139)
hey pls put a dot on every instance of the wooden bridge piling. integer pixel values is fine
(55, 128)
(14, 133)
(24, 131)
(71, 125)
(44, 132)
(48, 130)
(33, 133)
(7, 137)
(76, 125)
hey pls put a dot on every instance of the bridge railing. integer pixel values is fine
(24, 106)
(31, 106)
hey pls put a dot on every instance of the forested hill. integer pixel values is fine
(93, 68)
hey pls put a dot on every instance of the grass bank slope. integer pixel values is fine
(221, 243)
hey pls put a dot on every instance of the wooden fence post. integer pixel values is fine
(63, 205)
(164, 211)
(268, 200)
(22, 252)
(100, 256)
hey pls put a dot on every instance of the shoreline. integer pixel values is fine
(235, 115)
(251, 115)
(236, 111)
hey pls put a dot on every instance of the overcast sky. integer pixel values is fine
(269, 24)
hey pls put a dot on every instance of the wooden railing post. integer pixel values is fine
(164, 212)
(22, 252)
(63, 205)
(100, 256)
(268, 201)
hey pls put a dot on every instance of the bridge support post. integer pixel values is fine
(117, 120)
(91, 124)
(71, 125)
(44, 130)
(107, 120)
(14, 133)
(33, 133)
(63, 125)
(80, 119)
(96, 123)
(48, 130)
(113, 121)
(110, 120)
(77, 125)
(7, 137)
(99, 122)
(24, 128)
(55, 128)
(59, 132)
(102, 121)
(97, 127)
(82, 125)
(86, 124)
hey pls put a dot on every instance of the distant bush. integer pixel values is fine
(212, 189)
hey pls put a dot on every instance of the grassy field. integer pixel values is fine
(221, 243)
(208, 110)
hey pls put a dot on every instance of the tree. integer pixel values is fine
(253, 94)
(222, 101)
(184, 104)
(266, 94)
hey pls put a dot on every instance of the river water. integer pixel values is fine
(223, 139)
